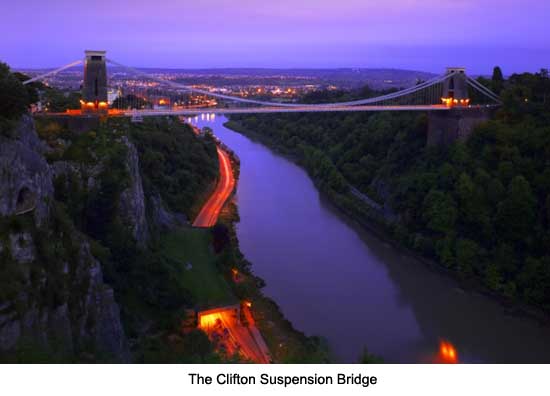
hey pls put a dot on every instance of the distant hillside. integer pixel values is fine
(342, 77)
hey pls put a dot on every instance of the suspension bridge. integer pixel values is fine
(452, 90)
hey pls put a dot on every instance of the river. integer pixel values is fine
(352, 288)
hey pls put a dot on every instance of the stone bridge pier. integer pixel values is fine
(445, 127)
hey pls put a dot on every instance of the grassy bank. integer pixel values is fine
(191, 249)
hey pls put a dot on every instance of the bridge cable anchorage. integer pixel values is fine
(42, 76)
(483, 89)
(393, 95)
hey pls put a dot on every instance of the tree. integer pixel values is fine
(493, 279)
(58, 101)
(467, 252)
(368, 358)
(495, 191)
(445, 251)
(516, 214)
(197, 344)
(459, 154)
(497, 81)
(130, 101)
(32, 88)
(14, 97)
(505, 257)
(465, 189)
(221, 239)
(439, 211)
(336, 181)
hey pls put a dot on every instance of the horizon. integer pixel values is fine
(266, 68)
(310, 35)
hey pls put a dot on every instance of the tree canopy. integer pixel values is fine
(14, 98)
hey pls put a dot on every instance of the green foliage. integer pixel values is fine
(32, 88)
(174, 163)
(131, 102)
(497, 81)
(14, 98)
(516, 213)
(196, 343)
(439, 212)
(368, 358)
(57, 101)
(190, 250)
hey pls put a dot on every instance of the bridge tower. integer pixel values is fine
(458, 123)
(94, 90)
(455, 88)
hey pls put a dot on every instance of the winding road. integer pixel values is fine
(208, 216)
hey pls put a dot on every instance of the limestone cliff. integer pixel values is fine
(132, 199)
(52, 296)
(25, 177)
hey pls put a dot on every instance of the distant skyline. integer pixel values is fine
(422, 35)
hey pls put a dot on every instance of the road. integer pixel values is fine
(208, 216)
(226, 329)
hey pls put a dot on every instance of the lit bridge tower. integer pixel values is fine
(455, 88)
(458, 123)
(94, 89)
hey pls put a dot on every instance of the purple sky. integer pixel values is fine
(414, 34)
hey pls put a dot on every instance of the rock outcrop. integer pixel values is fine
(54, 298)
(132, 199)
(25, 176)
(163, 219)
(100, 309)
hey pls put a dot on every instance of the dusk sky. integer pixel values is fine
(414, 34)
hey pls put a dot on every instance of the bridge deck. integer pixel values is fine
(304, 109)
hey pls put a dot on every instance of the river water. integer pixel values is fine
(352, 288)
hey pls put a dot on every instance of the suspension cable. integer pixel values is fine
(483, 89)
(42, 76)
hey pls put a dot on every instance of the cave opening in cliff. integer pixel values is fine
(26, 201)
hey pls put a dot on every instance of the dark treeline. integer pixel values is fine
(479, 207)
(15, 98)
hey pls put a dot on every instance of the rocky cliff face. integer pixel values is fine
(132, 199)
(161, 218)
(25, 177)
(52, 295)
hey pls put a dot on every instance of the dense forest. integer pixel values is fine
(479, 207)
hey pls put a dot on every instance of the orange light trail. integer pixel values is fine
(208, 216)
